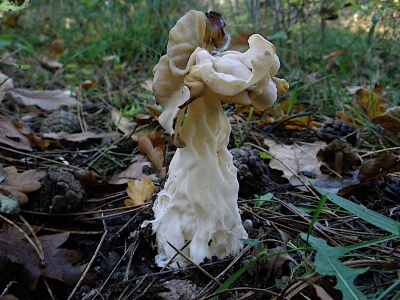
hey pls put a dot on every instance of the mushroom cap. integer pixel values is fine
(243, 79)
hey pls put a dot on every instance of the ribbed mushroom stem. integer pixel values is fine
(199, 200)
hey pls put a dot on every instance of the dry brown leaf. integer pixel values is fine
(375, 168)
(58, 263)
(147, 85)
(139, 191)
(277, 262)
(321, 293)
(301, 159)
(47, 100)
(38, 141)
(343, 116)
(48, 62)
(8, 297)
(80, 137)
(89, 178)
(88, 84)
(135, 170)
(369, 102)
(123, 124)
(390, 120)
(153, 146)
(20, 183)
(6, 84)
(11, 136)
(49, 59)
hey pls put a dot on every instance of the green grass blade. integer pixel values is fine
(320, 206)
(364, 213)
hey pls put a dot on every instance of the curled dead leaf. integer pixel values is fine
(153, 146)
(375, 168)
(11, 136)
(38, 141)
(390, 120)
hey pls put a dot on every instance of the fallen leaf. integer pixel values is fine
(369, 102)
(390, 120)
(135, 170)
(11, 136)
(58, 263)
(373, 169)
(321, 293)
(89, 178)
(139, 191)
(8, 297)
(47, 100)
(123, 124)
(6, 84)
(298, 159)
(49, 59)
(333, 54)
(38, 141)
(179, 290)
(8, 204)
(79, 137)
(277, 262)
(147, 85)
(20, 183)
(153, 146)
(48, 62)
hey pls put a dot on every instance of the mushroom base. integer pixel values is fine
(199, 200)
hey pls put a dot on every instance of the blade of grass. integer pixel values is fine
(364, 213)
(318, 211)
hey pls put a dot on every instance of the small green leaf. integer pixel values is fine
(327, 263)
(264, 155)
(251, 242)
(9, 5)
(22, 67)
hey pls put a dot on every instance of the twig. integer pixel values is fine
(34, 236)
(25, 235)
(88, 266)
(48, 289)
(202, 292)
(192, 262)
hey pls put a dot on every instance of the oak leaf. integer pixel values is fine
(58, 263)
(20, 183)
(139, 191)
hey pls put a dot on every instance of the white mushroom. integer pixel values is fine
(199, 200)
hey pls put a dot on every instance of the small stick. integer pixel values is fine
(88, 266)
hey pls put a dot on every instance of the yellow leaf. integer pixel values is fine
(370, 102)
(139, 191)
